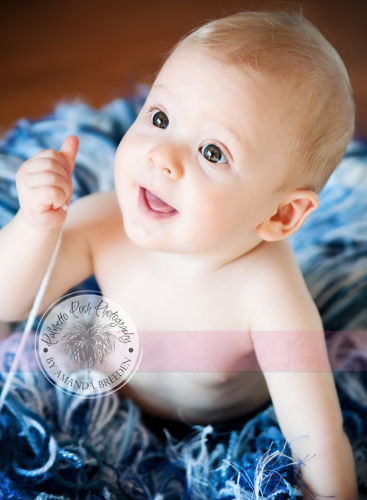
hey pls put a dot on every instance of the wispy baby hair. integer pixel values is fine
(287, 49)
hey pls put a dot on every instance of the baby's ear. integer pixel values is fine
(289, 215)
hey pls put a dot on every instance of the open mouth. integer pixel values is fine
(149, 202)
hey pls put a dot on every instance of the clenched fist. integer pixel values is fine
(44, 186)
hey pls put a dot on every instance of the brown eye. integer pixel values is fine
(160, 119)
(214, 154)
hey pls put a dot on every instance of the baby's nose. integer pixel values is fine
(167, 157)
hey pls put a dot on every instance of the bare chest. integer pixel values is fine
(159, 303)
(197, 350)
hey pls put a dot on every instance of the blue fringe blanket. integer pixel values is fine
(56, 447)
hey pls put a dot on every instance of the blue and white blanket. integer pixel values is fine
(56, 447)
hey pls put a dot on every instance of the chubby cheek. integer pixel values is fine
(122, 155)
(213, 216)
(124, 166)
(118, 178)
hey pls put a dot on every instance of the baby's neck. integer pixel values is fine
(195, 266)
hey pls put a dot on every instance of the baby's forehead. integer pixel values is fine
(198, 53)
(204, 72)
(221, 64)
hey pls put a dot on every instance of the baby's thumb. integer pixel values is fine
(69, 149)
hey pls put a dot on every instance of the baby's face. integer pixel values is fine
(197, 171)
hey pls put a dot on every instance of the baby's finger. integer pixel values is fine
(50, 154)
(69, 150)
(48, 178)
(43, 214)
(36, 165)
(47, 197)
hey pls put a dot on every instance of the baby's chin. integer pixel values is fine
(147, 240)
(144, 238)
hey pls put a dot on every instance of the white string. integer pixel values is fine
(28, 326)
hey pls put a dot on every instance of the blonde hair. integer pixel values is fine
(290, 50)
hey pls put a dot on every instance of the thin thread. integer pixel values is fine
(28, 326)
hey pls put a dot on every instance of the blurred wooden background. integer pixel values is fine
(93, 49)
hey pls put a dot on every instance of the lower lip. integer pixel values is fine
(145, 208)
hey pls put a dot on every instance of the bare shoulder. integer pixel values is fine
(96, 208)
(276, 256)
(276, 264)
(280, 298)
(97, 215)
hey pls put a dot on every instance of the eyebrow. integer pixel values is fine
(159, 86)
(231, 130)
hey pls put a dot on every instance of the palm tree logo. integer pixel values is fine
(87, 343)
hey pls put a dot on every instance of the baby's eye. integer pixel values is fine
(214, 154)
(160, 119)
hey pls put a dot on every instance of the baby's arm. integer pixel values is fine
(289, 342)
(29, 239)
(309, 415)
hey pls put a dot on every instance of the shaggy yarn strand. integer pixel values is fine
(30, 321)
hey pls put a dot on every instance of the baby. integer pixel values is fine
(243, 126)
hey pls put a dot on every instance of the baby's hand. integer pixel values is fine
(44, 186)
